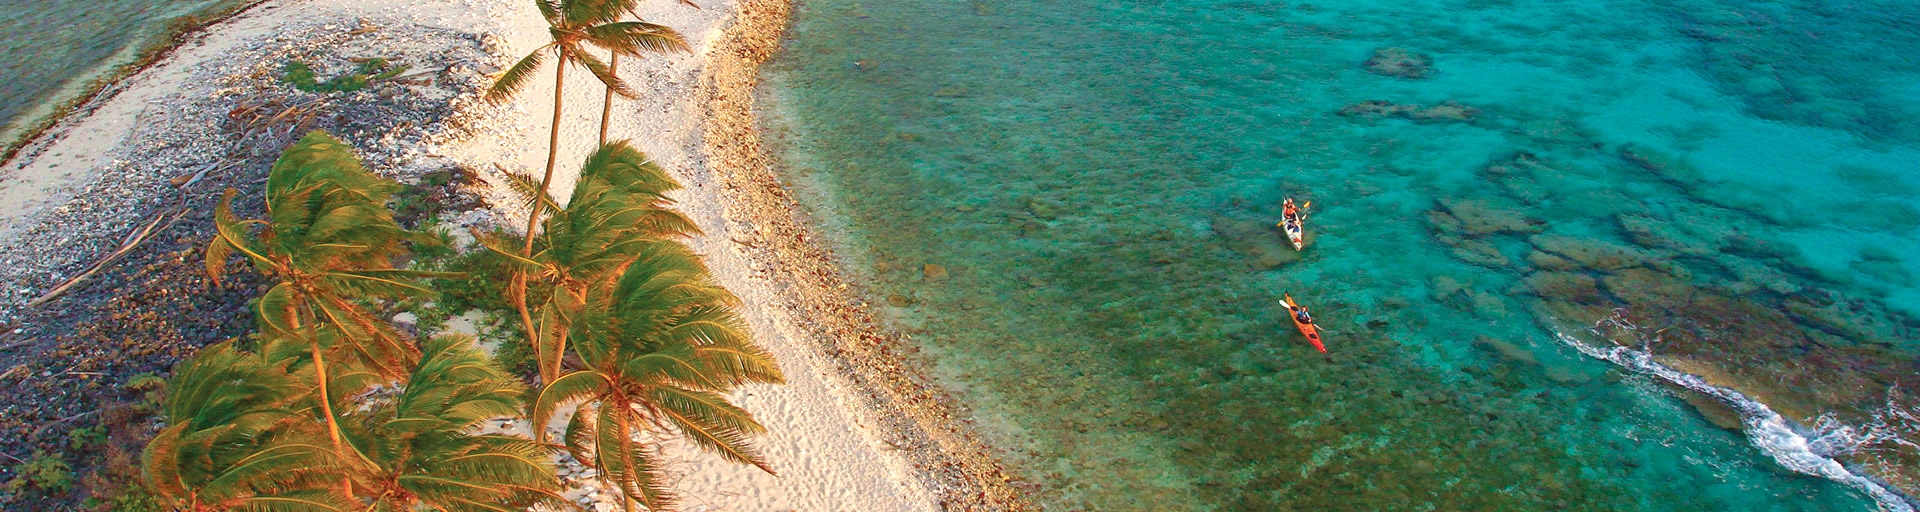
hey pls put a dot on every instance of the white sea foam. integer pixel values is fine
(1798, 448)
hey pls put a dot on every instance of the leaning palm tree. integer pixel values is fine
(613, 68)
(330, 241)
(660, 349)
(236, 439)
(575, 25)
(425, 444)
(617, 206)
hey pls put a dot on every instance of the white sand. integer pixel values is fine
(827, 456)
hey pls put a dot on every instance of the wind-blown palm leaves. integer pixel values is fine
(329, 240)
(236, 440)
(424, 447)
(660, 351)
(618, 204)
(575, 25)
(658, 342)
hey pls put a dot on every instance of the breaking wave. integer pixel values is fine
(1804, 450)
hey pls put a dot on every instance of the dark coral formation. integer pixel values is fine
(1688, 283)
(1399, 62)
(1446, 112)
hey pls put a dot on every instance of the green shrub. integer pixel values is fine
(81, 439)
(46, 472)
(129, 498)
(302, 77)
(145, 381)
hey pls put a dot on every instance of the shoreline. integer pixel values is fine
(880, 360)
(78, 100)
(856, 427)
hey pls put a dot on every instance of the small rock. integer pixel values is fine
(899, 301)
(934, 272)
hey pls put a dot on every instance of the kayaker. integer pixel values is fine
(1289, 212)
(1300, 313)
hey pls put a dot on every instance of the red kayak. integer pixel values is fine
(1312, 333)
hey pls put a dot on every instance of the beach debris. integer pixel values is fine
(133, 240)
(1399, 62)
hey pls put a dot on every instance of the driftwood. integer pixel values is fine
(133, 240)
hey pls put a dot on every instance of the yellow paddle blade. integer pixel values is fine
(1309, 204)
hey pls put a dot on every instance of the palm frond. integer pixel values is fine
(517, 76)
(599, 69)
(636, 38)
(712, 423)
(571, 388)
(581, 13)
(526, 193)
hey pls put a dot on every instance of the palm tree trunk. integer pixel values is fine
(326, 397)
(626, 434)
(606, 108)
(533, 219)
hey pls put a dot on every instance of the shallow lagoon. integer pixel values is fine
(52, 48)
(1070, 205)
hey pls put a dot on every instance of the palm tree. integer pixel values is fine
(660, 348)
(329, 240)
(618, 204)
(613, 68)
(425, 449)
(236, 439)
(574, 25)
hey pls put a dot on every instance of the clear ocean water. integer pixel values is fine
(1070, 205)
(52, 47)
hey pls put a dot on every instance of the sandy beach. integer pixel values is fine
(856, 427)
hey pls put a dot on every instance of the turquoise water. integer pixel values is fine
(51, 47)
(1098, 180)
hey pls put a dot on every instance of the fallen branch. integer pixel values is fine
(126, 246)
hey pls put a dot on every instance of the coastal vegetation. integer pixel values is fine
(351, 389)
(329, 406)
(302, 77)
(575, 25)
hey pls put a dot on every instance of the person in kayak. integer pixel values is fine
(1300, 313)
(1289, 213)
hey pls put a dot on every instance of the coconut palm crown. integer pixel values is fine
(330, 241)
(617, 206)
(236, 438)
(661, 348)
(328, 238)
(425, 444)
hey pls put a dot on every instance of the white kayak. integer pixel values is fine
(1295, 233)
